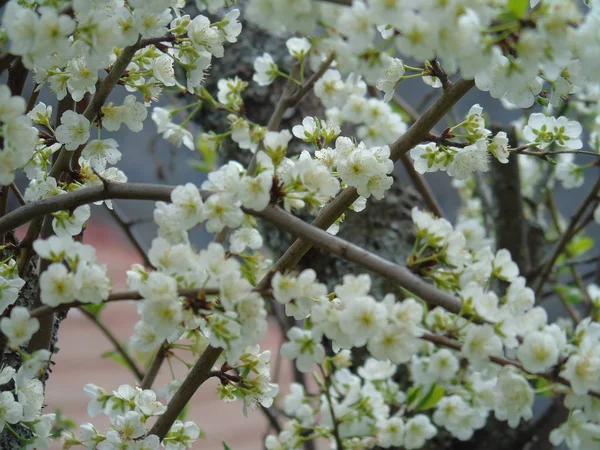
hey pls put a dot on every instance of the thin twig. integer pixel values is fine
(159, 357)
(443, 341)
(572, 268)
(336, 428)
(118, 296)
(127, 226)
(566, 237)
(35, 93)
(197, 376)
(282, 105)
(306, 88)
(439, 73)
(579, 261)
(115, 342)
(417, 179)
(18, 194)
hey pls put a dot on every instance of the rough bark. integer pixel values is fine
(509, 223)
(27, 298)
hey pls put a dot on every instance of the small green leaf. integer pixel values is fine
(95, 309)
(518, 7)
(544, 387)
(184, 412)
(569, 293)
(580, 245)
(201, 166)
(225, 446)
(116, 356)
(401, 111)
(413, 394)
(433, 396)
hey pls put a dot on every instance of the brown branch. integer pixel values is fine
(438, 72)
(303, 90)
(592, 198)
(418, 179)
(17, 193)
(422, 186)
(509, 222)
(159, 357)
(91, 112)
(118, 296)
(82, 196)
(282, 105)
(413, 136)
(314, 236)
(17, 74)
(197, 376)
(5, 61)
(334, 420)
(35, 93)
(127, 226)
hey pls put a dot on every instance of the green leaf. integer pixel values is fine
(544, 387)
(184, 412)
(518, 7)
(433, 396)
(580, 245)
(95, 309)
(116, 357)
(61, 423)
(413, 394)
(399, 110)
(225, 446)
(569, 293)
(201, 166)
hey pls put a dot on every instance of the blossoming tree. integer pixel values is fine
(463, 336)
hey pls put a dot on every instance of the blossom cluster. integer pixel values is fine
(507, 341)
(19, 138)
(509, 49)
(129, 409)
(81, 278)
(491, 351)
(22, 400)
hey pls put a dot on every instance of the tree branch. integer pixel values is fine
(91, 112)
(198, 375)
(159, 357)
(510, 226)
(546, 270)
(115, 342)
(314, 236)
(127, 226)
(17, 193)
(413, 136)
(118, 296)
